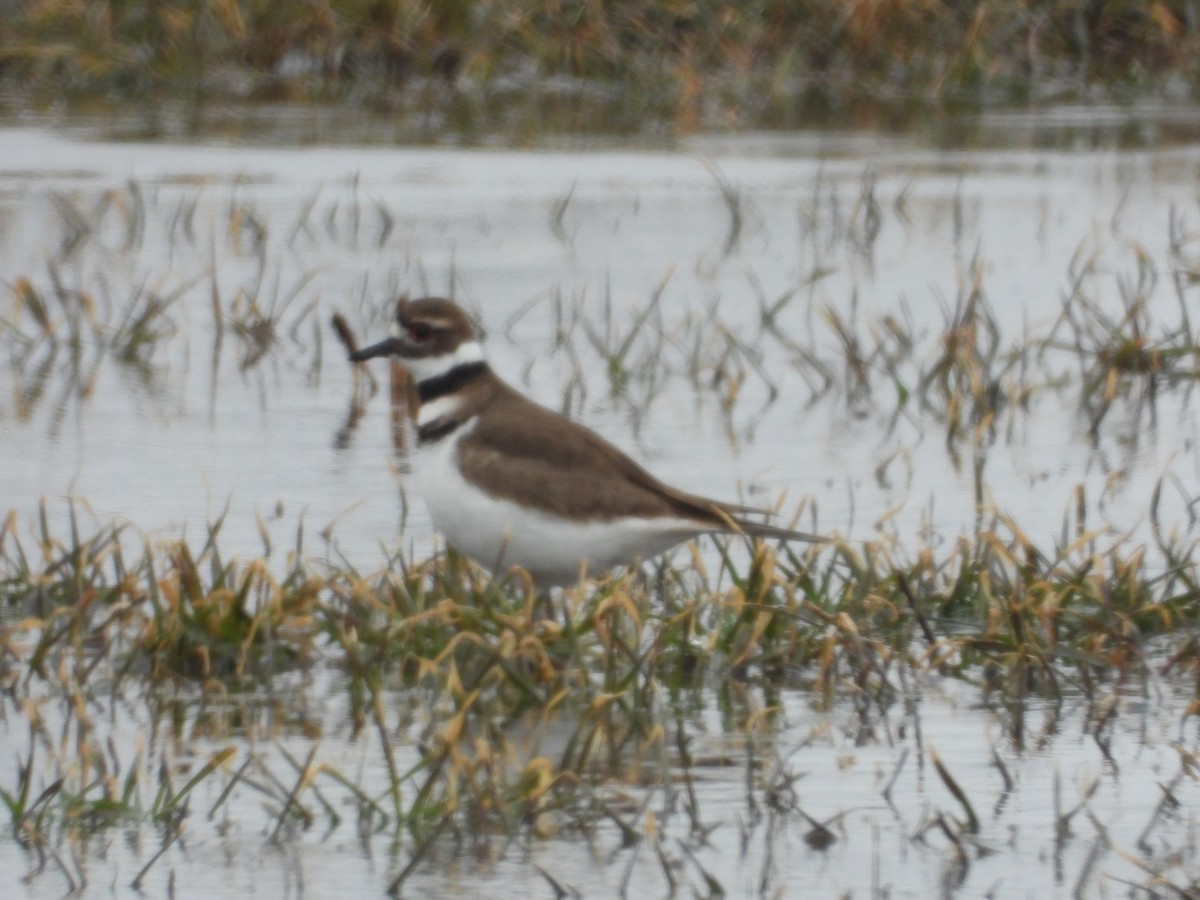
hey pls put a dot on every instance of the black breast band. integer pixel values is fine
(449, 382)
(436, 430)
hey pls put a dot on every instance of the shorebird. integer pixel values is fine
(512, 483)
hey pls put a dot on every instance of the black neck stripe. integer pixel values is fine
(449, 382)
(436, 430)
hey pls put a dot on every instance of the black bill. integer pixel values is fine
(383, 348)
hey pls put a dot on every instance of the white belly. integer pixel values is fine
(499, 533)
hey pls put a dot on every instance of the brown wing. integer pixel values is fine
(544, 460)
(538, 458)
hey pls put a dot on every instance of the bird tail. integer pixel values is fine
(736, 521)
(766, 530)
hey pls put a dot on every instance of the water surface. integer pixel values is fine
(632, 287)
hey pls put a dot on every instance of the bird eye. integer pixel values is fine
(420, 331)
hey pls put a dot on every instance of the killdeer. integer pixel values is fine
(511, 483)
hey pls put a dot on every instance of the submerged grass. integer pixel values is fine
(66, 324)
(610, 666)
(532, 716)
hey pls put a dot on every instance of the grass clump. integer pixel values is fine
(172, 610)
(613, 658)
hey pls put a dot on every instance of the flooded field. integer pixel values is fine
(931, 352)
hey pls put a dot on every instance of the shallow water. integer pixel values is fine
(346, 229)
(559, 252)
(1071, 807)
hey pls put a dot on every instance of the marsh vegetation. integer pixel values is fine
(474, 69)
(995, 661)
